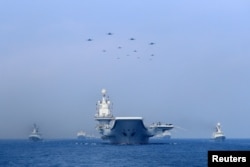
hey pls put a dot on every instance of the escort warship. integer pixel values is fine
(218, 134)
(81, 135)
(124, 130)
(35, 134)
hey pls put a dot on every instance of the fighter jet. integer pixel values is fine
(119, 47)
(89, 39)
(110, 33)
(151, 43)
(132, 39)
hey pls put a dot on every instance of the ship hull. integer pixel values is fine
(162, 137)
(35, 138)
(128, 131)
(219, 138)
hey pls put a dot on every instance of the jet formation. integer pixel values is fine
(134, 51)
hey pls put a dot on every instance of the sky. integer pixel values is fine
(195, 75)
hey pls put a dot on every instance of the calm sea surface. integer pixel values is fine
(94, 152)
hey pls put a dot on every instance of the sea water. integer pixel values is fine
(95, 152)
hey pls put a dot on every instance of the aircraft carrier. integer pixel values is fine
(124, 130)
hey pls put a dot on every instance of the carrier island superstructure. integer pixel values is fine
(124, 130)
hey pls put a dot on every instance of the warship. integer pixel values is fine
(218, 134)
(81, 135)
(35, 134)
(124, 130)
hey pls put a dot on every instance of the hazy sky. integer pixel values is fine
(51, 75)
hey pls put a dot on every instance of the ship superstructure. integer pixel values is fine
(218, 134)
(124, 130)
